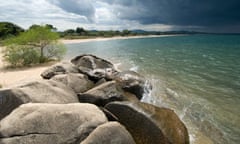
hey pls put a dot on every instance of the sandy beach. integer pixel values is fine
(69, 41)
(11, 77)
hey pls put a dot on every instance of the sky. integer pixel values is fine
(152, 15)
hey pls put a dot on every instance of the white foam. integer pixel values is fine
(117, 66)
(134, 68)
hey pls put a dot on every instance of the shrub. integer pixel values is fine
(21, 56)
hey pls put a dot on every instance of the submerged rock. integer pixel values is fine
(95, 67)
(109, 133)
(35, 92)
(149, 124)
(133, 82)
(78, 82)
(50, 123)
(60, 68)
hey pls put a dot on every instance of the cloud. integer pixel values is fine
(205, 13)
(202, 15)
(80, 7)
(28, 12)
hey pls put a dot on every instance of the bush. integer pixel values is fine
(55, 51)
(21, 56)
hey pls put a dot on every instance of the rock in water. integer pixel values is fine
(50, 123)
(133, 82)
(149, 124)
(95, 67)
(106, 93)
(109, 133)
(78, 82)
(35, 92)
(102, 94)
(60, 68)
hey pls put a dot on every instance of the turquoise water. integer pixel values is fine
(198, 76)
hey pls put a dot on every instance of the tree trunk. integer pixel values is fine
(41, 55)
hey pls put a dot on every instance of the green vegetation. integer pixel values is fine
(81, 33)
(8, 30)
(39, 44)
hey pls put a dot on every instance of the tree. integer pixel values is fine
(39, 41)
(80, 31)
(9, 29)
(69, 31)
(34, 26)
(51, 27)
(125, 32)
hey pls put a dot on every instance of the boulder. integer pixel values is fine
(133, 82)
(35, 92)
(78, 82)
(102, 94)
(109, 133)
(101, 81)
(149, 124)
(95, 67)
(60, 68)
(108, 114)
(106, 93)
(50, 123)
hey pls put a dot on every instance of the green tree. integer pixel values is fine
(51, 27)
(34, 26)
(69, 31)
(38, 44)
(9, 29)
(80, 30)
(126, 32)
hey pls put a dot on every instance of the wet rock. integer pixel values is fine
(106, 93)
(95, 67)
(150, 124)
(50, 123)
(102, 94)
(133, 82)
(35, 92)
(109, 133)
(60, 68)
(78, 82)
(108, 114)
(101, 81)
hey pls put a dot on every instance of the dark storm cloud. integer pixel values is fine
(79, 7)
(181, 12)
(206, 14)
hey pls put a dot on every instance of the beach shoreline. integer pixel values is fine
(72, 41)
(11, 77)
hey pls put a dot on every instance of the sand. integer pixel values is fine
(12, 77)
(111, 38)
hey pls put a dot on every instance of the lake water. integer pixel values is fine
(198, 76)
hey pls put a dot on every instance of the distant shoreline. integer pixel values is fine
(72, 41)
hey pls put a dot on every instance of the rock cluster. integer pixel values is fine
(87, 101)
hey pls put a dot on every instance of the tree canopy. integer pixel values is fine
(8, 29)
(38, 41)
